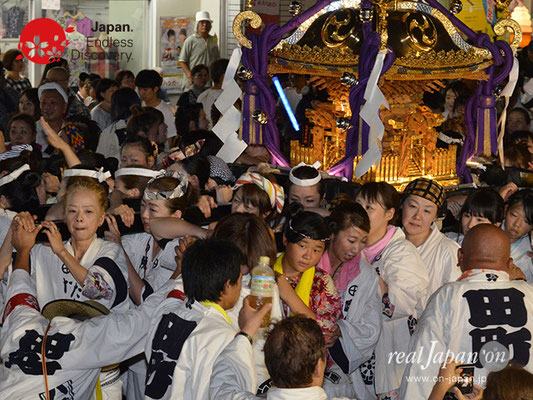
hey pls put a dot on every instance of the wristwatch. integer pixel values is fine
(242, 333)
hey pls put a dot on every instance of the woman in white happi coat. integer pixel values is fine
(166, 196)
(403, 282)
(518, 225)
(83, 267)
(357, 283)
(423, 200)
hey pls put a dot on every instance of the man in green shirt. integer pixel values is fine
(199, 48)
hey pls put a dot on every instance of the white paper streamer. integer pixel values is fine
(230, 121)
(507, 92)
(370, 114)
(233, 148)
(228, 124)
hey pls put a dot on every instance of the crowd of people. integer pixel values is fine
(127, 250)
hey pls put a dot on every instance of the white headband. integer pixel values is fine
(306, 182)
(138, 172)
(100, 175)
(15, 151)
(178, 191)
(13, 176)
(52, 86)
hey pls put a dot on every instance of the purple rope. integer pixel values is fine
(256, 59)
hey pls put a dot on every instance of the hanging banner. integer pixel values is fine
(174, 31)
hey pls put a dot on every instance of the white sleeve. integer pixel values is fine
(108, 143)
(112, 265)
(234, 376)
(125, 334)
(361, 325)
(169, 120)
(407, 279)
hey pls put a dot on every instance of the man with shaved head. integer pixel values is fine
(484, 306)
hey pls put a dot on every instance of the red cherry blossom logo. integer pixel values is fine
(43, 41)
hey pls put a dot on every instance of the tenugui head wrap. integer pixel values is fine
(15, 151)
(149, 173)
(427, 189)
(306, 182)
(275, 192)
(177, 192)
(13, 176)
(100, 175)
(187, 151)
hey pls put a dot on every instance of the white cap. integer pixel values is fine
(52, 86)
(203, 16)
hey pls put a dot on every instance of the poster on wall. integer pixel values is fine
(174, 31)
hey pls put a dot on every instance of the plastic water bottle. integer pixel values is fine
(263, 279)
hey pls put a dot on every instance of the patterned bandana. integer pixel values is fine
(178, 191)
(427, 189)
(186, 152)
(275, 192)
(74, 136)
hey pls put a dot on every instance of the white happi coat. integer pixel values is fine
(234, 377)
(75, 351)
(54, 281)
(401, 267)
(276, 314)
(156, 271)
(520, 257)
(462, 316)
(183, 344)
(360, 331)
(439, 254)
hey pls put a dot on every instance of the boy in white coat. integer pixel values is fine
(190, 329)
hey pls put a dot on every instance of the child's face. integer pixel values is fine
(516, 224)
(172, 39)
(307, 196)
(305, 254)
(468, 221)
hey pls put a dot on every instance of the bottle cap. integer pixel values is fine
(264, 260)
